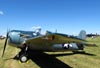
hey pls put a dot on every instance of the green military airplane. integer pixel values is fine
(50, 42)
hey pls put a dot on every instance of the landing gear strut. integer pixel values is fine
(23, 54)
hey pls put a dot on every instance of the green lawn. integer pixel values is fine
(91, 59)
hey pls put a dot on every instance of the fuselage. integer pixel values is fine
(17, 38)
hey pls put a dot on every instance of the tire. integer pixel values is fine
(23, 58)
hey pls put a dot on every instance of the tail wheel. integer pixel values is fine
(23, 58)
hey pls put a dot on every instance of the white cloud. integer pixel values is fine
(36, 27)
(1, 12)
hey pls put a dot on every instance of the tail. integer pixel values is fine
(82, 34)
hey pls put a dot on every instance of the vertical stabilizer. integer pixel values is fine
(82, 34)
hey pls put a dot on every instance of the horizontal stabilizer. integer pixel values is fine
(91, 45)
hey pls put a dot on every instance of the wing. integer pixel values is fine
(54, 39)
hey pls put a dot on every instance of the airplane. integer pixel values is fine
(2, 37)
(92, 35)
(50, 42)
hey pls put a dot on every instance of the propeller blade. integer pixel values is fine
(5, 43)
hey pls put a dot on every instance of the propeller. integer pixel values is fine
(5, 44)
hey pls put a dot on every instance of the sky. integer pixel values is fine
(65, 16)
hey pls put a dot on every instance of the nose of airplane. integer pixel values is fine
(14, 37)
(11, 37)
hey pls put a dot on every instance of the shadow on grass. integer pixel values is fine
(48, 61)
(84, 53)
(44, 60)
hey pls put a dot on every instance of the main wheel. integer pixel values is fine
(23, 58)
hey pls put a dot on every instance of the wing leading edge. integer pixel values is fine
(54, 38)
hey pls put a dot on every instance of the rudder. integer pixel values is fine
(82, 34)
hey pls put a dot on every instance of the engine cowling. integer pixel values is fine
(14, 37)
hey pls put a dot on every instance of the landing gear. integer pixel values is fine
(23, 58)
(23, 54)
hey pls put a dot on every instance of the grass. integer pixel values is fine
(91, 59)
